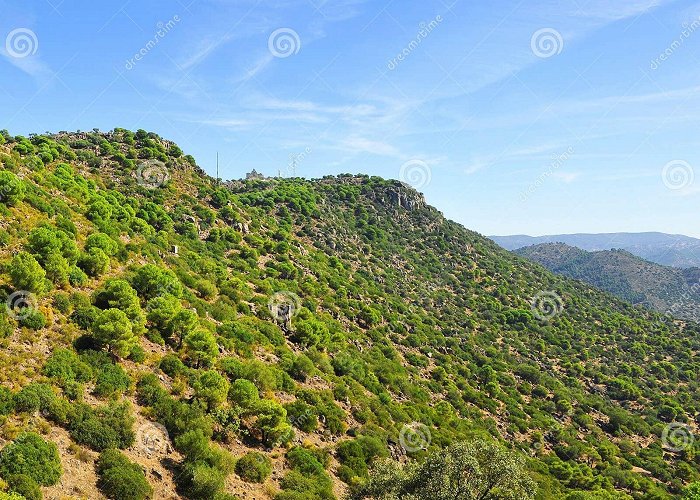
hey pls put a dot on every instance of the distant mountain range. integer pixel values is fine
(666, 249)
(660, 288)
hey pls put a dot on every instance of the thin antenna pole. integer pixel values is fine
(217, 167)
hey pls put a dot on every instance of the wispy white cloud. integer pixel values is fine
(691, 190)
(251, 72)
(31, 65)
(566, 177)
(203, 49)
(526, 153)
(364, 145)
(615, 11)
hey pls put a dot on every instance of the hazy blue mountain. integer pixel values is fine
(667, 249)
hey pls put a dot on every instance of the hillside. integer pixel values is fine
(666, 249)
(660, 288)
(270, 338)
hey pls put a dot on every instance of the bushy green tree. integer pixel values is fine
(302, 415)
(26, 273)
(102, 241)
(202, 480)
(44, 241)
(469, 471)
(201, 348)
(270, 422)
(244, 393)
(33, 397)
(161, 312)
(118, 294)
(153, 281)
(311, 332)
(94, 262)
(212, 388)
(57, 269)
(111, 380)
(304, 461)
(112, 329)
(11, 188)
(66, 366)
(182, 325)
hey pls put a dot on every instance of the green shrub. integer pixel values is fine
(111, 380)
(304, 461)
(109, 426)
(34, 397)
(297, 486)
(301, 368)
(33, 319)
(77, 276)
(254, 467)
(201, 480)
(94, 433)
(137, 354)
(65, 366)
(172, 365)
(7, 401)
(24, 485)
(302, 415)
(30, 455)
(121, 479)
(62, 303)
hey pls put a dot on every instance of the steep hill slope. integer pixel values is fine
(663, 289)
(666, 249)
(306, 328)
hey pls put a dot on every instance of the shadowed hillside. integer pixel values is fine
(660, 288)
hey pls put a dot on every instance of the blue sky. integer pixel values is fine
(538, 116)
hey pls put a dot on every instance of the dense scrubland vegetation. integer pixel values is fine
(310, 339)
